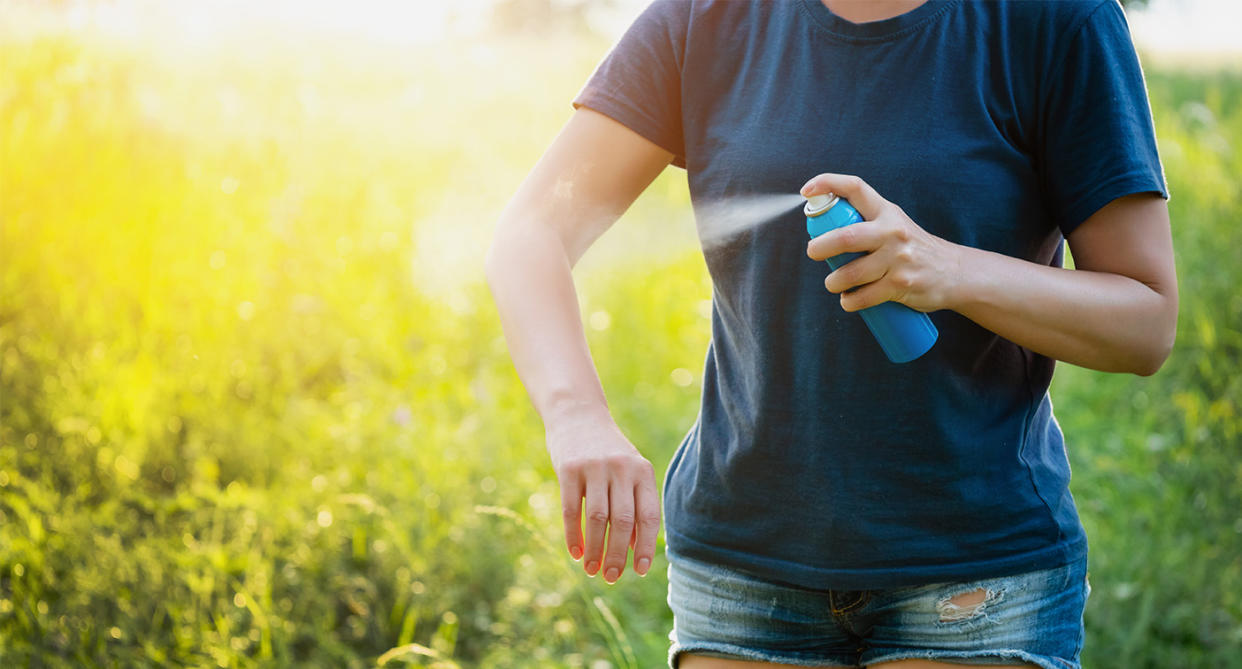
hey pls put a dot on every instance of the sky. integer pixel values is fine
(1189, 27)
(1176, 27)
(1166, 27)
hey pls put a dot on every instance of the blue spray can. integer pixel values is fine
(902, 332)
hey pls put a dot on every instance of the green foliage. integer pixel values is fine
(255, 408)
(1157, 472)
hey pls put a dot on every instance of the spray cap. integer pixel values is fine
(818, 204)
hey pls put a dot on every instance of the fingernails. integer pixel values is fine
(575, 552)
(806, 189)
(592, 567)
(642, 566)
(612, 575)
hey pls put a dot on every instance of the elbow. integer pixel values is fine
(491, 266)
(1161, 347)
(1153, 360)
(519, 247)
(496, 261)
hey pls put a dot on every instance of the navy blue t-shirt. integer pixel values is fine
(997, 125)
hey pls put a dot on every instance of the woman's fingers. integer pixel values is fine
(620, 527)
(862, 237)
(866, 296)
(609, 503)
(571, 514)
(621, 512)
(633, 518)
(596, 519)
(858, 192)
(903, 262)
(647, 510)
(856, 274)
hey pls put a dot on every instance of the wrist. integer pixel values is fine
(574, 411)
(961, 277)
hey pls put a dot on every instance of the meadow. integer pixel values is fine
(256, 409)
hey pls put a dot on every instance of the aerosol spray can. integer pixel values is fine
(902, 332)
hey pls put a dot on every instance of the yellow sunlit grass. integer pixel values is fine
(254, 390)
(256, 410)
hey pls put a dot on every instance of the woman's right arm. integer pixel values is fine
(592, 172)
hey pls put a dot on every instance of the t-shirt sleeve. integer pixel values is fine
(639, 82)
(1098, 140)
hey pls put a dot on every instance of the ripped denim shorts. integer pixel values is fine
(1027, 619)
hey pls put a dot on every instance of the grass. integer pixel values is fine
(255, 408)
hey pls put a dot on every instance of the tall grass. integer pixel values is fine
(255, 409)
(1156, 461)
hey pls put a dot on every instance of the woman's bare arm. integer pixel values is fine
(592, 172)
(1116, 312)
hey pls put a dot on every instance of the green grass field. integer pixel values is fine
(256, 410)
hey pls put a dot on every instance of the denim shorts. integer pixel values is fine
(1028, 619)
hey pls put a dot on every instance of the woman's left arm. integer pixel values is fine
(1117, 312)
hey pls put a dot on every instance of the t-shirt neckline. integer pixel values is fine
(874, 31)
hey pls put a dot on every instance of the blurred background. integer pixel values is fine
(256, 410)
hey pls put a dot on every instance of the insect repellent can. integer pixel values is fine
(902, 332)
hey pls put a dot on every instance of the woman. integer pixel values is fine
(829, 508)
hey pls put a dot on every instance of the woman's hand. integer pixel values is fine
(594, 460)
(904, 264)
(1116, 312)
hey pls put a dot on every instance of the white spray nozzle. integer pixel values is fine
(818, 203)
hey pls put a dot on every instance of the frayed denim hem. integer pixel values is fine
(731, 652)
(983, 657)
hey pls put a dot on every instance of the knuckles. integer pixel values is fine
(901, 233)
(853, 184)
(631, 464)
(620, 462)
(847, 237)
(902, 281)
